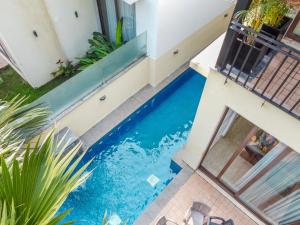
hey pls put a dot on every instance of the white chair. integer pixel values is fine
(197, 214)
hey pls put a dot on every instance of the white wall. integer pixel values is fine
(60, 34)
(169, 22)
(146, 20)
(216, 97)
(141, 74)
(73, 33)
(90, 111)
(36, 57)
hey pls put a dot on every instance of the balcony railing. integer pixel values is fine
(263, 65)
(96, 75)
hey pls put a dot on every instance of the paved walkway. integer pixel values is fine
(198, 189)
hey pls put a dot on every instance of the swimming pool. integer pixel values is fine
(132, 162)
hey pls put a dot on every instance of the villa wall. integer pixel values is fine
(35, 56)
(216, 97)
(60, 34)
(183, 26)
(73, 32)
(91, 110)
(167, 63)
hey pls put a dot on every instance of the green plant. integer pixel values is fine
(14, 85)
(253, 16)
(66, 69)
(99, 48)
(35, 181)
(18, 124)
(269, 12)
(32, 192)
(119, 31)
(274, 12)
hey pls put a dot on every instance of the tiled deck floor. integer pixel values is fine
(124, 110)
(279, 83)
(198, 189)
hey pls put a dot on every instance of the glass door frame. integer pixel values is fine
(217, 178)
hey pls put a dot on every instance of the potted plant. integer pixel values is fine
(275, 21)
(265, 16)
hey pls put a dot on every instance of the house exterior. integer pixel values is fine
(240, 111)
(245, 137)
(53, 30)
(36, 34)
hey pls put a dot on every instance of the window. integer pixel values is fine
(294, 29)
(259, 170)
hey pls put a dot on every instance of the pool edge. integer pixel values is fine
(150, 213)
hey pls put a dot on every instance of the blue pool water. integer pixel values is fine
(141, 146)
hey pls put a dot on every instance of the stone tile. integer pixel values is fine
(162, 202)
(197, 189)
(124, 110)
(145, 94)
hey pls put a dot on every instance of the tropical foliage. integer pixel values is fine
(34, 180)
(32, 192)
(270, 12)
(66, 69)
(274, 12)
(18, 124)
(99, 48)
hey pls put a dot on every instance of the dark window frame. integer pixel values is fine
(290, 34)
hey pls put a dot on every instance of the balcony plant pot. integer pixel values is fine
(276, 32)
(259, 51)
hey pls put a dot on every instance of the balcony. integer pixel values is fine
(263, 65)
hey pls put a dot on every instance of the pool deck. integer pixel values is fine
(124, 110)
(196, 188)
(186, 187)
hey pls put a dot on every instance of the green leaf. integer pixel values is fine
(119, 38)
(32, 192)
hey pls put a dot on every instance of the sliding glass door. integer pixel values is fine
(276, 192)
(259, 170)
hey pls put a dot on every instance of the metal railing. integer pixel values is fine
(264, 66)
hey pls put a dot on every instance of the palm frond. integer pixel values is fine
(19, 123)
(32, 192)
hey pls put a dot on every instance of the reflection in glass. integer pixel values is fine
(263, 172)
(277, 193)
